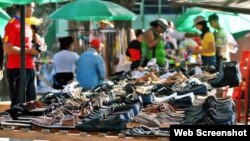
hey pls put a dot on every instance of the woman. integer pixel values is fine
(208, 49)
(64, 63)
(153, 45)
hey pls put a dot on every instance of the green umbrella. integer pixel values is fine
(241, 34)
(50, 1)
(232, 23)
(92, 10)
(4, 17)
(3, 22)
(21, 2)
(4, 5)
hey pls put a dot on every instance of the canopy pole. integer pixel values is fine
(22, 58)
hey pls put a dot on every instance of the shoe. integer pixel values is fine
(229, 75)
(204, 121)
(54, 98)
(129, 88)
(193, 85)
(183, 101)
(102, 88)
(165, 98)
(210, 69)
(110, 123)
(119, 76)
(162, 89)
(135, 107)
(128, 114)
(147, 120)
(57, 119)
(176, 78)
(144, 131)
(147, 99)
(216, 119)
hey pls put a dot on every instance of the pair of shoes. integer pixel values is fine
(229, 75)
(73, 89)
(54, 98)
(119, 76)
(147, 120)
(165, 98)
(213, 117)
(148, 78)
(183, 101)
(60, 118)
(210, 107)
(109, 123)
(127, 113)
(162, 89)
(165, 117)
(171, 112)
(155, 108)
(146, 131)
(193, 85)
(33, 105)
(204, 77)
(177, 78)
(102, 88)
(5, 116)
(134, 106)
(97, 113)
(129, 88)
(150, 98)
(85, 109)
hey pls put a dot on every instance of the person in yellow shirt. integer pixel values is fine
(207, 50)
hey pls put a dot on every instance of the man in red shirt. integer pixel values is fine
(12, 45)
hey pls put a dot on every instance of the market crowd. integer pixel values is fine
(161, 43)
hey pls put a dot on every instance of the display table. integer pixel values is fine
(4, 105)
(63, 135)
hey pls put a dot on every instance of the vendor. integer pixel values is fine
(153, 45)
(207, 50)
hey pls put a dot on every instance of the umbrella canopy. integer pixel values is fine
(238, 6)
(229, 21)
(4, 17)
(21, 2)
(92, 10)
(4, 5)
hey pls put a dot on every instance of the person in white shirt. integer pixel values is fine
(64, 63)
